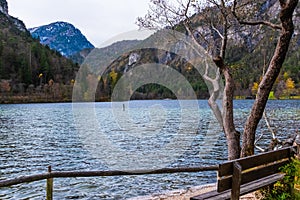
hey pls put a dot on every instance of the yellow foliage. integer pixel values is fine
(285, 76)
(254, 88)
(113, 76)
(289, 84)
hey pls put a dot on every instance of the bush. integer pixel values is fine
(286, 188)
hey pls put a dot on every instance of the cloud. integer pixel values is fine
(98, 20)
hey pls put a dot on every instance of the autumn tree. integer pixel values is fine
(113, 75)
(219, 19)
(254, 88)
(290, 86)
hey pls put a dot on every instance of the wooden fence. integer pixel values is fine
(50, 175)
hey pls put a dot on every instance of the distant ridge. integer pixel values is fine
(62, 37)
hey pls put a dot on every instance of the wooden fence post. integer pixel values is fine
(298, 152)
(49, 186)
(297, 143)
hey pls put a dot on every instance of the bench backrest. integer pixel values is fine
(254, 167)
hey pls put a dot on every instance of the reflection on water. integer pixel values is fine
(33, 136)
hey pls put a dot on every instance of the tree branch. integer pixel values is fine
(189, 30)
(269, 126)
(225, 30)
(215, 29)
(214, 94)
(253, 23)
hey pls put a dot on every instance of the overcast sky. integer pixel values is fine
(98, 20)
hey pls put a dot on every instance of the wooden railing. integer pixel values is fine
(50, 175)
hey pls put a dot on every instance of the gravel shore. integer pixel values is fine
(185, 194)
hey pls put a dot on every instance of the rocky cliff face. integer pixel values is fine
(18, 23)
(3, 7)
(62, 37)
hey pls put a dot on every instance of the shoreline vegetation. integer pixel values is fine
(42, 99)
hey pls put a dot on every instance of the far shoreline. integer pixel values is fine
(44, 101)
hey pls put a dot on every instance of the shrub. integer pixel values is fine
(287, 188)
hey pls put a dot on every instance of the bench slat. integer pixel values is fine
(246, 188)
(226, 168)
(257, 173)
(241, 176)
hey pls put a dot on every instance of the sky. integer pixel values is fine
(98, 20)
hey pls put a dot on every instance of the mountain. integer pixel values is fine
(3, 7)
(4, 11)
(248, 54)
(62, 37)
(110, 63)
(30, 71)
(80, 56)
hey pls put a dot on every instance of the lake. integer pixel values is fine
(131, 135)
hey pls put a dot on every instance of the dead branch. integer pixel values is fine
(253, 23)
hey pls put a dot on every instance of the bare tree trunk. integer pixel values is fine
(163, 11)
(232, 136)
(287, 30)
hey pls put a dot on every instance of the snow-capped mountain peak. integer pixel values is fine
(61, 36)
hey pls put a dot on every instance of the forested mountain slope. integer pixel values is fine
(28, 68)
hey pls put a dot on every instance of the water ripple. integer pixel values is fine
(34, 136)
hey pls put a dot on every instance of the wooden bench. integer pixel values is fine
(245, 175)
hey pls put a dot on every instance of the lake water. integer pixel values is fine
(146, 135)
